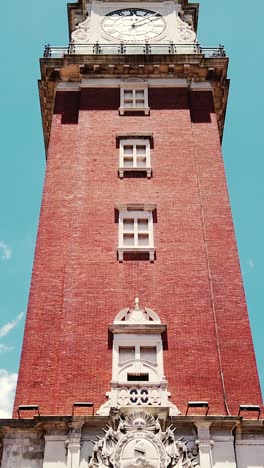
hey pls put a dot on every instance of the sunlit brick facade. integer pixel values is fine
(137, 320)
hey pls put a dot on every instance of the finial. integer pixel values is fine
(137, 303)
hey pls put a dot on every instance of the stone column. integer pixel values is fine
(73, 446)
(224, 454)
(205, 444)
(55, 454)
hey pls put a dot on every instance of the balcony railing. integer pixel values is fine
(137, 395)
(133, 49)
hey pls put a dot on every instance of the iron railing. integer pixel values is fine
(133, 49)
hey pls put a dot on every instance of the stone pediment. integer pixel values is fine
(137, 315)
(131, 320)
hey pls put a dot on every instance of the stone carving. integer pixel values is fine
(121, 396)
(105, 408)
(154, 391)
(81, 34)
(185, 33)
(137, 396)
(137, 314)
(140, 442)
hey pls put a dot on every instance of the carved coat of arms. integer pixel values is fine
(139, 442)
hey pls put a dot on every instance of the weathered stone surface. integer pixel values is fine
(67, 443)
(199, 69)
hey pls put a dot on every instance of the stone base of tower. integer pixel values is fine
(136, 438)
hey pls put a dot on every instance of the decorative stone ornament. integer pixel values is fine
(138, 375)
(185, 33)
(135, 396)
(137, 315)
(81, 35)
(140, 442)
(133, 25)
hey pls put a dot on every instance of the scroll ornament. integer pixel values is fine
(185, 33)
(81, 35)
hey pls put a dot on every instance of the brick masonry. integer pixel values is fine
(194, 285)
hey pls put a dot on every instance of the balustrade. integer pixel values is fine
(133, 49)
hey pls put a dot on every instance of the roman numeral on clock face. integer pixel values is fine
(133, 24)
(133, 12)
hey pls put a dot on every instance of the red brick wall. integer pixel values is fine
(194, 285)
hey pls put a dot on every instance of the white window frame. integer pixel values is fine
(135, 215)
(138, 364)
(133, 87)
(134, 142)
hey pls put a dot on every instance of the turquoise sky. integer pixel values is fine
(26, 28)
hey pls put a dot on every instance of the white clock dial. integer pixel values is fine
(133, 24)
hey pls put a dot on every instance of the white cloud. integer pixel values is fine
(6, 251)
(248, 267)
(5, 329)
(251, 264)
(5, 349)
(8, 382)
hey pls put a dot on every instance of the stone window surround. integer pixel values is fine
(139, 364)
(135, 212)
(134, 87)
(134, 142)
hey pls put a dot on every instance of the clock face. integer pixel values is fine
(133, 24)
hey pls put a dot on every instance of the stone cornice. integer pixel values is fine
(61, 437)
(195, 68)
(132, 329)
(60, 423)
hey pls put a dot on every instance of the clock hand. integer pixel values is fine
(145, 19)
(142, 24)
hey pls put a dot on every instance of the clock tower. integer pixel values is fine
(112, 22)
(137, 349)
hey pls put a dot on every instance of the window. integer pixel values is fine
(148, 354)
(134, 155)
(137, 377)
(137, 357)
(143, 353)
(135, 232)
(134, 97)
(137, 362)
(126, 354)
